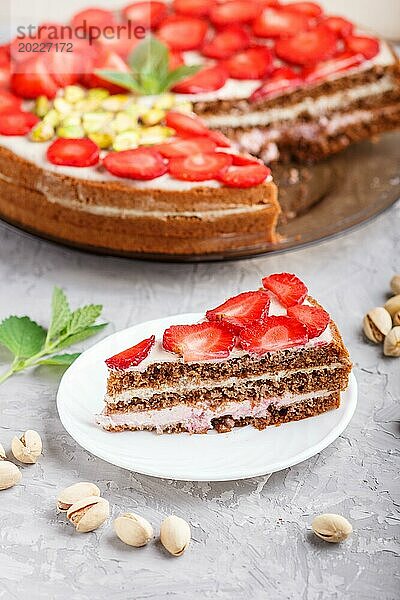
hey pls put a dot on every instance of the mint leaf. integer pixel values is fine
(61, 314)
(150, 57)
(180, 73)
(125, 80)
(82, 318)
(81, 335)
(60, 360)
(23, 337)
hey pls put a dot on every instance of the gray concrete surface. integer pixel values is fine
(251, 539)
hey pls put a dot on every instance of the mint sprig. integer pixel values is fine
(32, 345)
(150, 73)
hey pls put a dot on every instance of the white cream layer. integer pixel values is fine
(198, 418)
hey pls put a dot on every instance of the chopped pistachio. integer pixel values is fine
(87, 105)
(116, 102)
(154, 135)
(123, 122)
(73, 93)
(42, 132)
(153, 116)
(184, 106)
(103, 140)
(126, 140)
(165, 102)
(62, 106)
(72, 119)
(52, 117)
(71, 131)
(98, 94)
(135, 109)
(96, 121)
(42, 106)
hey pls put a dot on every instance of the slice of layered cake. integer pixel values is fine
(264, 357)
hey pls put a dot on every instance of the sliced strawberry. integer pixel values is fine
(323, 70)
(233, 12)
(244, 176)
(148, 14)
(307, 47)
(208, 79)
(5, 77)
(94, 17)
(9, 102)
(280, 80)
(79, 152)
(111, 62)
(189, 125)
(193, 8)
(278, 22)
(314, 318)
(66, 67)
(199, 167)
(342, 27)
(242, 310)
(275, 333)
(34, 80)
(182, 33)
(254, 63)
(311, 9)
(367, 46)
(226, 42)
(175, 60)
(186, 147)
(132, 356)
(140, 163)
(288, 288)
(17, 122)
(123, 44)
(243, 160)
(202, 341)
(219, 138)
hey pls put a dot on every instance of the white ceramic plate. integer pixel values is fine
(244, 452)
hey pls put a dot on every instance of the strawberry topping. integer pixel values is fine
(110, 61)
(80, 152)
(194, 8)
(307, 47)
(186, 147)
(367, 46)
(202, 341)
(234, 11)
(243, 160)
(314, 318)
(206, 80)
(288, 288)
(311, 9)
(185, 124)
(243, 310)
(278, 22)
(183, 33)
(34, 80)
(9, 102)
(227, 42)
(281, 79)
(140, 163)
(148, 14)
(219, 138)
(132, 356)
(275, 333)
(254, 63)
(244, 176)
(341, 62)
(342, 27)
(17, 122)
(93, 17)
(199, 167)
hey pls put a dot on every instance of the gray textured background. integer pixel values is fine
(252, 538)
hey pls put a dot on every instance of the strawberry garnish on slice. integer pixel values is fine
(280, 80)
(288, 288)
(253, 63)
(219, 138)
(234, 11)
(182, 33)
(193, 8)
(94, 17)
(185, 124)
(243, 160)
(132, 356)
(17, 122)
(244, 176)
(33, 80)
(311, 9)
(140, 163)
(278, 22)
(199, 167)
(123, 44)
(186, 147)
(9, 102)
(148, 14)
(201, 341)
(367, 46)
(226, 42)
(341, 62)
(314, 318)
(307, 47)
(78, 152)
(175, 60)
(208, 79)
(275, 333)
(342, 27)
(109, 61)
(242, 310)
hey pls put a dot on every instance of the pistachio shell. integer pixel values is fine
(377, 323)
(332, 528)
(67, 497)
(28, 448)
(175, 535)
(393, 305)
(89, 513)
(391, 346)
(396, 319)
(395, 284)
(2, 453)
(133, 530)
(9, 474)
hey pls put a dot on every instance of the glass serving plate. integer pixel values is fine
(336, 195)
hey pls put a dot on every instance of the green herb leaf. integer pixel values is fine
(61, 314)
(150, 57)
(180, 73)
(60, 360)
(83, 318)
(125, 80)
(81, 335)
(23, 337)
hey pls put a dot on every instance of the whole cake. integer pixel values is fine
(261, 358)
